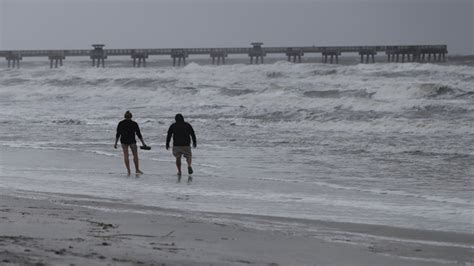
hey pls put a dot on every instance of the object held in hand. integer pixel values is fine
(144, 147)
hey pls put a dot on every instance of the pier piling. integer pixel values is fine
(218, 56)
(13, 60)
(180, 55)
(369, 55)
(56, 59)
(332, 55)
(139, 58)
(295, 53)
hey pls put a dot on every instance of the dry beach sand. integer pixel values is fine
(64, 229)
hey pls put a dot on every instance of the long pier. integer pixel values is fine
(256, 53)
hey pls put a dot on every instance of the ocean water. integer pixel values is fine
(388, 144)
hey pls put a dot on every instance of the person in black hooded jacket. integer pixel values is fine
(182, 133)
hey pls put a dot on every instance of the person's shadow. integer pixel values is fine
(190, 179)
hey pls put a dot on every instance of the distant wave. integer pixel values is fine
(235, 92)
(339, 94)
(433, 90)
(13, 81)
(68, 122)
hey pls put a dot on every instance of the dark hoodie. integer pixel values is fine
(126, 130)
(182, 133)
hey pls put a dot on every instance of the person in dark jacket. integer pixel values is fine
(126, 131)
(182, 133)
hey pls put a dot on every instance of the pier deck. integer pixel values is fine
(395, 53)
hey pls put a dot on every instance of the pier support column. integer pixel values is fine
(416, 57)
(56, 59)
(258, 59)
(331, 55)
(139, 58)
(96, 62)
(368, 54)
(13, 60)
(218, 56)
(179, 55)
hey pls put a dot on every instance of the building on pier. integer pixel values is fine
(258, 52)
(98, 55)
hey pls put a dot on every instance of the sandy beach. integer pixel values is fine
(62, 232)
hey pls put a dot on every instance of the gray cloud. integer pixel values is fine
(68, 24)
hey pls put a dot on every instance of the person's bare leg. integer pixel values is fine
(125, 158)
(178, 164)
(189, 160)
(135, 158)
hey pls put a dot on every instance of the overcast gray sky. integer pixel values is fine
(76, 24)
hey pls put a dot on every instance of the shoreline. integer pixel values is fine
(92, 231)
(436, 237)
(72, 227)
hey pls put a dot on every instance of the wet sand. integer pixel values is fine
(90, 232)
(54, 228)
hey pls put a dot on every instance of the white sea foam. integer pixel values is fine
(378, 136)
